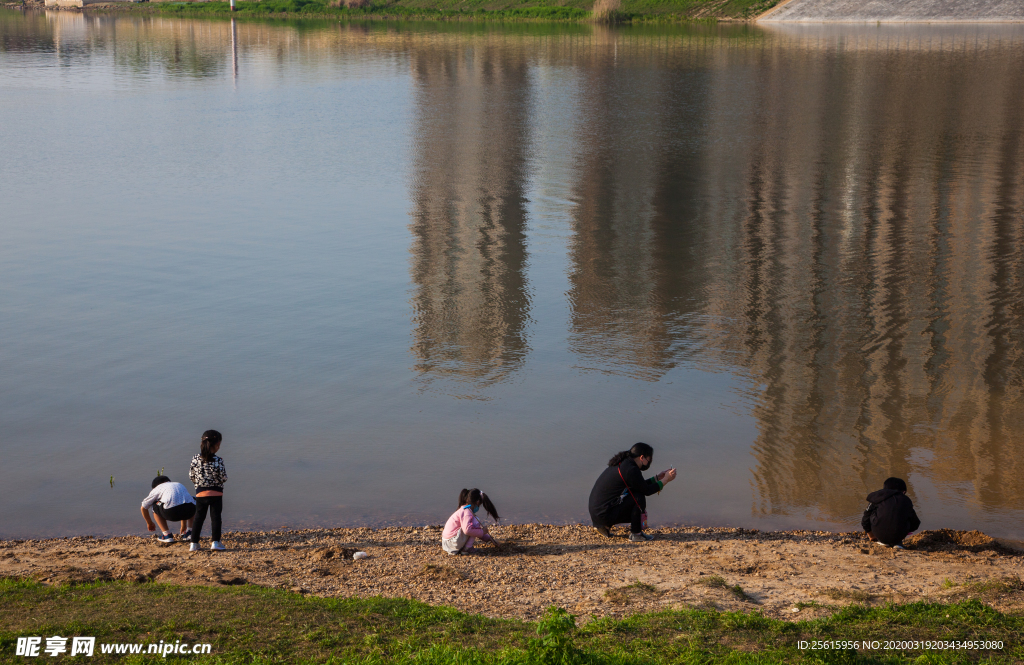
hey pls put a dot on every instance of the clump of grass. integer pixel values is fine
(804, 605)
(617, 596)
(986, 589)
(713, 582)
(994, 587)
(738, 591)
(718, 582)
(855, 595)
(624, 595)
(554, 643)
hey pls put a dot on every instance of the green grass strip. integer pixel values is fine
(317, 9)
(250, 624)
(631, 11)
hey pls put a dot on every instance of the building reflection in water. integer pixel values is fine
(620, 321)
(641, 219)
(469, 220)
(876, 288)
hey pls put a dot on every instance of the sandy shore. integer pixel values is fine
(569, 566)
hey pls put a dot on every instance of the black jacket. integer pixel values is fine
(890, 517)
(608, 489)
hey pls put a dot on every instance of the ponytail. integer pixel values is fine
(211, 438)
(489, 506)
(619, 458)
(476, 496)
(638, 449)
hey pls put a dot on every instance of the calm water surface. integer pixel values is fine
(390, 261)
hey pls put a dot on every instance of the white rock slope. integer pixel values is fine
(897, 11)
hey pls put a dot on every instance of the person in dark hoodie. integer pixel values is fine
(620, 493)
(890, 515)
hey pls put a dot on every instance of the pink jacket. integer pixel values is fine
(463, 520)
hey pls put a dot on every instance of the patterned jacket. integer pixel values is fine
(208, 475)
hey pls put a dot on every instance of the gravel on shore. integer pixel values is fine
(791, 574)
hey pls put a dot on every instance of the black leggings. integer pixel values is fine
(214, 505)
(627, 511)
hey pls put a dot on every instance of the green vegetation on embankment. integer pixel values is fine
(247, 624)
(493, 10)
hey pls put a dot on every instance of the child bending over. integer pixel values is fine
(890, 515)
(170, 502)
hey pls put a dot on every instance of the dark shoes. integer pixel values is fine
(634, 537)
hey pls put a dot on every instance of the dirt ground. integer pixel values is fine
(569, 566)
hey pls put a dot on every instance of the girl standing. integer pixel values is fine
(463, 528)
(208, 474)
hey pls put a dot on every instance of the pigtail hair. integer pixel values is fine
(476, 496)
(211, 438)
(489, 506)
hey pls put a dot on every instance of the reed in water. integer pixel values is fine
(606, 11)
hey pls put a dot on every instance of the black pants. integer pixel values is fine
(214, 505)
(181, 512)
(627, 511)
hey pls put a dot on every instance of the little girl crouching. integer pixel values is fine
(463, 528)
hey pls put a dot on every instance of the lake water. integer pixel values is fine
(389, 261)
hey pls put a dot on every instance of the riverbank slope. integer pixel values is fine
(896, 11)
(568, 566)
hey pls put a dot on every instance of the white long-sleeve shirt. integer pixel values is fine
(168, 495)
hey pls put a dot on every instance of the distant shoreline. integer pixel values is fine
(573, 11)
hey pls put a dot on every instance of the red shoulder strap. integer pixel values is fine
(627, 487)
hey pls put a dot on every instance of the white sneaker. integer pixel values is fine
(215, 545)
(193, 547)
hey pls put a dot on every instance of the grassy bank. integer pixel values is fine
(248, 624)
(627, 11)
